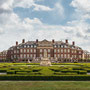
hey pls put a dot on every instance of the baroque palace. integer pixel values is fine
(57, 51)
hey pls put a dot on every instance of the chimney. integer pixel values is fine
(16, 43)
(23, 41)
(73, 43)
(66, 40)
(36, 40)
(53, 41)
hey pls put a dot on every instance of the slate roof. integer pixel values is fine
(45, 43)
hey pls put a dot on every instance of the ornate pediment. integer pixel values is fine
(45, 43)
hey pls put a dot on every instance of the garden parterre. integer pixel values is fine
(35, 70)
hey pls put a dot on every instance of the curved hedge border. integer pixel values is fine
(49, 78)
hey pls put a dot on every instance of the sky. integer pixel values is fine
(44, 19)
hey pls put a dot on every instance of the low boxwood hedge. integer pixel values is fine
(3, 70)
(11, 72)
(56, 77)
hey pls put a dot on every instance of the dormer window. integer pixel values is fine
(72, 47)
(17, 47)
(58, 46)
(24, 46)
(34, 46)
(11, 48)
(62, 46)
(28, 46)
(65, 46)
(31, 46)
(55, 46)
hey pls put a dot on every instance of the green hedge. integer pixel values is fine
(60, 73)
(29, 73)
(11, 72)
(88, 70)
(78, 68)
(23, 71)
(3, 70)
(82, 72)
(58, 78)
(74, 71)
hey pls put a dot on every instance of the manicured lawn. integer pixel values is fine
(44, 85)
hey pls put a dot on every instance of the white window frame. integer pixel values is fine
(40, 50)
(21, 50)
(28, 50)
(49, 55)
(31, 50)
(24, 50)
(34, 50)
(55, 50)
(61, 50)
(58, 50)
(48, 50)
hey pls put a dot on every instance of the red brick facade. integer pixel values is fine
(57, 50)
(3, 55)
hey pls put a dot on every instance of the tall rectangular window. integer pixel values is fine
(24, 50)
(40, 55)
(14, 51)
(61, 50)
(48, 50)
(68, 50)
(21, 50)
(17, 51)
(30, 55)
(34, 55)
(58, 50)
(55, 50)
(65, 56)
(68, 55)
(61, 55)
(75, 51)
(24, 55)
(40, 50)
(31, 50)
(34, 50)
(80, 56)
(28, 50)
(72, 51)
(54, 55)
(65, 50)
(14, 56)
(58, 55)
(27, 55)
(48, 55)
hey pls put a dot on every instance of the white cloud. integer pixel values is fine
(31, 29)
(41, 8)
(59, 9)
(82, 7)
(6, 5)
(24, 3)
(1, 31)
(33, 21)
(31, 3)
(12, 28)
